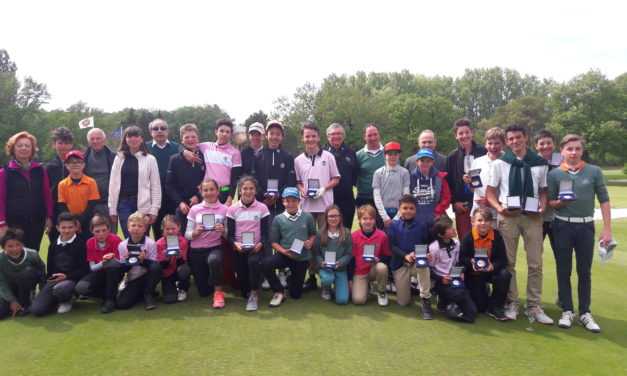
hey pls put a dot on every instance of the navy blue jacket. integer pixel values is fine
(403, 236)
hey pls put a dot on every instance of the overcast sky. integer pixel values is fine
(242, 55)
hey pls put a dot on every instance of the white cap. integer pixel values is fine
(256, 127)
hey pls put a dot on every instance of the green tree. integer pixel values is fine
(257, 117)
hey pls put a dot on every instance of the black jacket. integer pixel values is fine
(455, 169)
(108, 153)
(498, 255)
(69, 259)
(24, 200)
(56, 172)
(348, 166)
(273, 164)
(182, 178)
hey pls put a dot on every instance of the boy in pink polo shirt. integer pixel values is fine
(320, 165)
(223, 161)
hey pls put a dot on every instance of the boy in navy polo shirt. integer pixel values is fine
(403, 235)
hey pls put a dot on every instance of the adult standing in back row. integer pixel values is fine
(348, 166)
(458, 162)
(370, 158)
(427, 140)
(162, 149)
(98, 162)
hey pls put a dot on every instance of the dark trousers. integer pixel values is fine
(477, 286)
(206, 266)
(223, 196)
(461, 296)
(183, 218)
(360, 201)
(33, 230)
(347, 206)
(51, 295)
(138, 287)
(102, 284)
(280, 261)
(168, 284)
(167, 207)
(547, 229)
(580, 237)
(24, 282)
(248, 269)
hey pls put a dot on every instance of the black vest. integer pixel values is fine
(25, 200)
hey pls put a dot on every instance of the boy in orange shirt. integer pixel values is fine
(78, 193)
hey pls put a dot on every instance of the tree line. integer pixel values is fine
(402, 103)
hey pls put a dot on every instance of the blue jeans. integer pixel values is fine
(339, 279)
(125, 209)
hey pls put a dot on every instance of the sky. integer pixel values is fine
(243, 55)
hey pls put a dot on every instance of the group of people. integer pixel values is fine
(291, 222)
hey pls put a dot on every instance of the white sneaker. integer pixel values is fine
(326, 294)
(277, 299)
(265, 285)
(382, 299)
(588, 322)
(253, 303)
(539, 314)
(511, 311)
(566, 321)
(182, 296)
(65, 307)
(122, 285)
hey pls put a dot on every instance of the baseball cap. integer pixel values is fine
(256, 127)
(425, 152)
(392, 146)
(291, 192)
(74, 153)
(275, 123)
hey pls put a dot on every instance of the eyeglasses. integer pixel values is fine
(160, 128)
(333, 216)
(336, 134)
(75, 163)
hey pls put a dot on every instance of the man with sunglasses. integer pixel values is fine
(162, 149)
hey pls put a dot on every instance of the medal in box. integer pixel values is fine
(513, 203)
(420, 251)
(133, 254)
(456, 277)
(273, 188)
(329, 260)
(208, 222)
(481, 258)
(532, 205)
(248, 240)
(368, 253)
(313, 185)
(172, 245)
(475, 179)
(297, 247)
(566, 191)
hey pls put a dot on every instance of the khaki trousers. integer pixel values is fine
(402, 279)
(378, 272)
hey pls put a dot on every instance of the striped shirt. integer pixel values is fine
(220, 159)
(248, 218)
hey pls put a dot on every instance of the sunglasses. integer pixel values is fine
(160, 128)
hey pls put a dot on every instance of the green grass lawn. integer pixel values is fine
(614, 174)
(310, 336)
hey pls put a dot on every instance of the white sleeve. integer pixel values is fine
(378, 202)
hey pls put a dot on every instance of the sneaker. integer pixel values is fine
(149, 302)
(277, 299)
(511, 311)
(539, 314)
(282, 279)
(122, 285)
(66, 307)
(382, 299)
(23, 312)
(253, 303)
(266, 286)
(326, 294)
(497, 313)
(588, 322)
(181, 296)
(108, 306)
(453, 311)
(311, 283)
(218, 300)
(427, 312)
(566, 321)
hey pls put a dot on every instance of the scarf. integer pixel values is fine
(520, 180)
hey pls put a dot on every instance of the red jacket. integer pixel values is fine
(381, 249)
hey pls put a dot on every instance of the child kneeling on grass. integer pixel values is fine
(248, 215)
(67, 264)
(333, 237)
(404, 234)
(206, 253)
(495, 272)
(175, 268)
(292, 224)
(444, 253)
(102, 256)
(366, 271)
(142, 277)
(21, 269)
